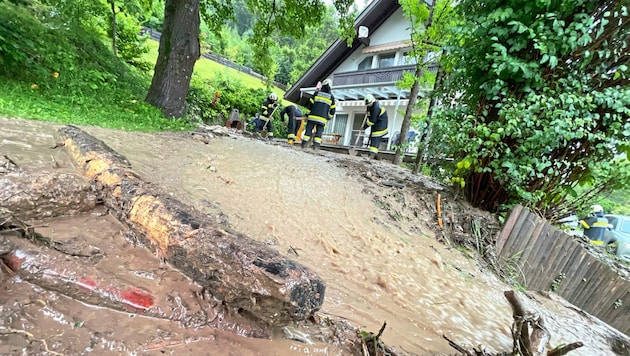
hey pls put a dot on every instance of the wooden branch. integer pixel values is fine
(539, 337)
(380, 332)
(565, 349)
(30, 196)
(11, 161)
(518, 312)
(439, 210)
(454, 345)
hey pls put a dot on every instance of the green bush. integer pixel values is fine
(69, 74)
(130, 46)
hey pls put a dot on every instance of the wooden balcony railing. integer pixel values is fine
(374, 76)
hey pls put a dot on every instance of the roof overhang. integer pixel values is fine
(386, 47)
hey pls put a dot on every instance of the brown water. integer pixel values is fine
(376, 270)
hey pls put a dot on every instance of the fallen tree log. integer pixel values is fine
(80, 279)
(240, 271)
(29, 196)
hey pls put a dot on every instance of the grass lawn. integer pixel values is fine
(208, 70)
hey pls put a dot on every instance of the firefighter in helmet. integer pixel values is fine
(595, 225)
(266, 114)
(293, 115)
(321, 109)
(377, 122)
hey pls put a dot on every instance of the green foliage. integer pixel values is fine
(272, 19)
(541, 99)
(425, 25)
(104, 109)
(129, 45)
(155, 16)
(211, 101)
(69, 60)
(555, 285)
(67, 74)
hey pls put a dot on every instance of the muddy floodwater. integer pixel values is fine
(306, 206)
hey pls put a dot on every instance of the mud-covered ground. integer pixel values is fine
(396, 264)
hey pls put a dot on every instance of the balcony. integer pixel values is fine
(375, 76)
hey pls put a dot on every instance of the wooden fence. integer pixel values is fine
(545, 258)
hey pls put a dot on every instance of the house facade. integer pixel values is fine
(373, 64)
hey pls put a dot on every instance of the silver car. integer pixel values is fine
(620, 232)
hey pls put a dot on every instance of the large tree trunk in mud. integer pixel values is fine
(30, 196)
(242, 272)
(78, 278)
(178, 52)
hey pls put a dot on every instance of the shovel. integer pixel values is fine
(264, 129)
(352, 151)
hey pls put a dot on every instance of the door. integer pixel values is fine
(356, 129)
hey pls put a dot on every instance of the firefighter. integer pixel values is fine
(292, 114)
(321, 109)
(377, 122)
(595, 225)
(266, 114)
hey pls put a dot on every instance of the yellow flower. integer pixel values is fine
(55, 75)
(34, 86)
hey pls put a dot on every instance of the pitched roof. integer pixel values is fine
(373, 16)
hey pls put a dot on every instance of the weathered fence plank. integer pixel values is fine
(538, 249)
(521, 245)
(548, 257)
(513, 237)
(507, 228)
(572, 267)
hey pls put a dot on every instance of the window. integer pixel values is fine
(337, 125)
(386, 60)
(365, 63)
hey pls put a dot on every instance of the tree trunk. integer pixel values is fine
(244, 273)
(432, 103)
(113, 5)
(178, 52)
(404, 129)
(75, 274)
(32, 196)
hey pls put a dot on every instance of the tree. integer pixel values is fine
(425, 28)
(178, 52)
(539, 90)
(419, 17)
(179, 45)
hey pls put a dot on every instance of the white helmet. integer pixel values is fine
(597, 209)
(369, 99)
(327, 82)
(273, 96)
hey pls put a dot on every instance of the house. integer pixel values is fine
(375, 61)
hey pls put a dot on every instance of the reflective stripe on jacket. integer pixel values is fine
(377, 120)
(267, 108)
(322, 107)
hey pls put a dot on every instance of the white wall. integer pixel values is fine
(394, 29)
